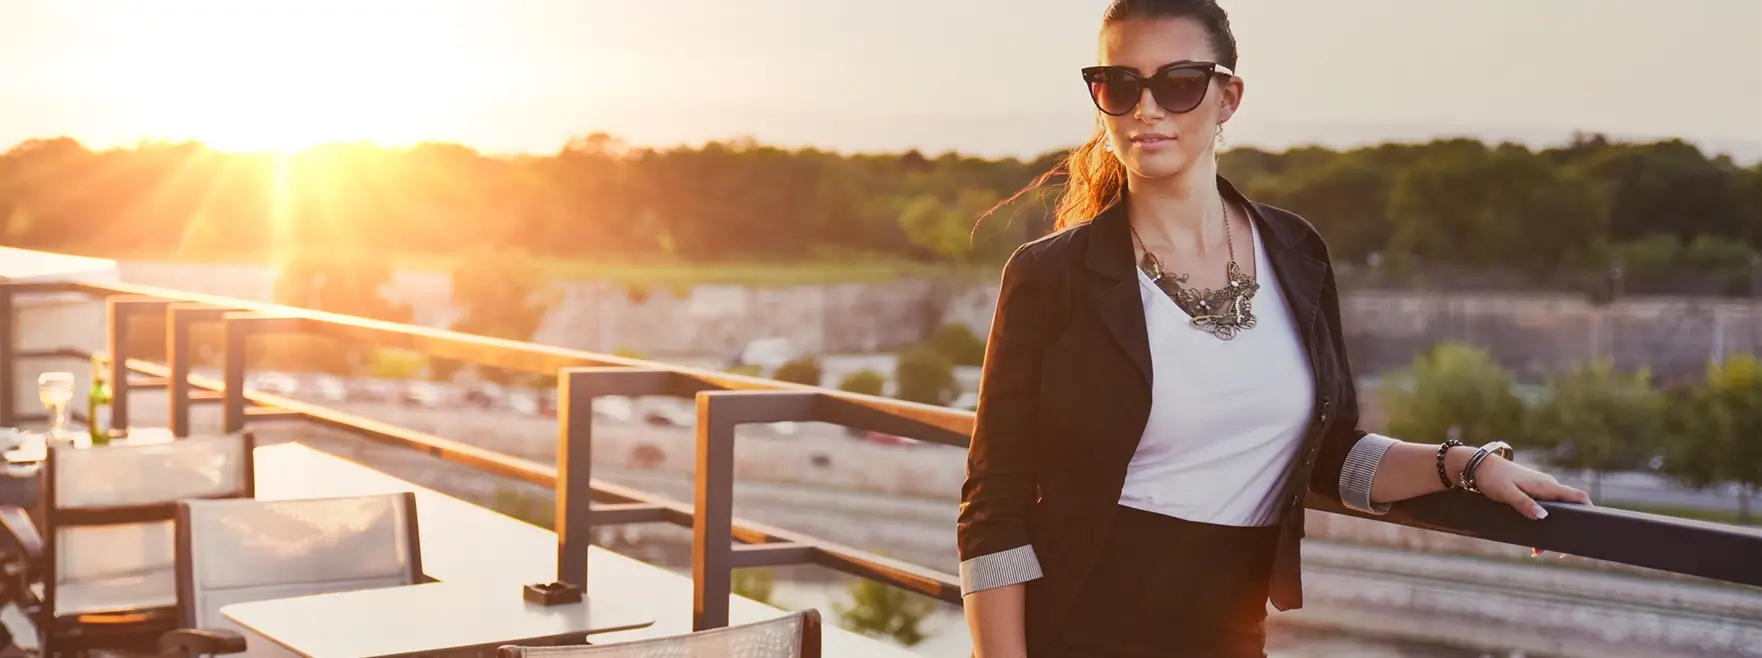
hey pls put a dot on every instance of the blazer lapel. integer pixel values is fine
(1299, 274)
(1120, 305)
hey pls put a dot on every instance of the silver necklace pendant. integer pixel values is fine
(1224, 312)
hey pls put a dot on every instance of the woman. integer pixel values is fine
(1165, 378)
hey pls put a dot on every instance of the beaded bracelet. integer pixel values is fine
(1443, 476)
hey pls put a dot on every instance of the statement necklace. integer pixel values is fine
(1224, 312)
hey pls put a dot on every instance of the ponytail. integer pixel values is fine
(1093, 177)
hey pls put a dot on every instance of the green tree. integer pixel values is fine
(864, 382)
(397, 364)
(504, 294)
(876, 609)
(1600, 420)
(1453, 386)
(1500, 207)
(945, 227)
(958, 344)
(1716, 431)
(923, 375)
(800, 370)
(336, 282)
(18, 227)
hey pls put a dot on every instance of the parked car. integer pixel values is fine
(886, 439)
(274, 383)
(423, 394)
(327, 388)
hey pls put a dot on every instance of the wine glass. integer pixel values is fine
(56, 391)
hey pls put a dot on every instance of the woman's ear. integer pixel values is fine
(1230, 100)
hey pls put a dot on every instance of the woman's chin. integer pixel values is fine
(1153, 166)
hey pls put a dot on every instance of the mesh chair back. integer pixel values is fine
(125, 475)
(109, 517)
(237, 551)
(796, 635)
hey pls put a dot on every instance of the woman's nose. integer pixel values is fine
(1148, 111)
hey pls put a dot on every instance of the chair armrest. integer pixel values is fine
(200, 642)
(20, 534)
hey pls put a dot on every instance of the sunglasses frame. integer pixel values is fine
(1093, 78)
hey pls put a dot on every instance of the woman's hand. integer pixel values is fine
(1520, 487)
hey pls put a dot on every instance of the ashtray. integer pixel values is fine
(555, 593)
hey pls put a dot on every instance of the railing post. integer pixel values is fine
(116, 314)
(235, 329)
(8, 357)
(577, 388)
(119, 311)
(712, 520)
(178, 350)
(177, 367)
(574, 503)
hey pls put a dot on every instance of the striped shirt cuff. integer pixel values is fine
(1000, 569)
(1360, 469)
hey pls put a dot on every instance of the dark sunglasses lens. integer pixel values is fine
(1115, 92)
(1180, 90)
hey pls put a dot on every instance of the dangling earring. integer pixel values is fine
(1107, 147)
(1217, 152)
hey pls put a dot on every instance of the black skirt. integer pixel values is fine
(1172, 588)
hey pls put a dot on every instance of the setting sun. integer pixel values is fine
(277, 76)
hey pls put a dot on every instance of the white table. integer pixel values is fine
(32, 448)
(419, 620)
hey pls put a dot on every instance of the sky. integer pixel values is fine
(989, 77)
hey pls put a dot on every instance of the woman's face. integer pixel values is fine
(1149, 140)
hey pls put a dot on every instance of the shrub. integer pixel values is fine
(923, 375)
(754, 583)
(876, 609)
(958, 344)
(801, 370)
(864, 382)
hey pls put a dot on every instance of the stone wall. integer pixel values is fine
(1533, 334)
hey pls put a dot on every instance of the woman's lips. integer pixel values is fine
(1153, 142)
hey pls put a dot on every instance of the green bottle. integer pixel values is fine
(98, 404)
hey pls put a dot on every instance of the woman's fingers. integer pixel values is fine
(1549, 489)
(1509, 493)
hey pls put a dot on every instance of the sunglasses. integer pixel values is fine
(1178, 87)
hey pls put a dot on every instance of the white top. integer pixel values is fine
(1227, 416)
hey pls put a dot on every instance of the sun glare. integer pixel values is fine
(257, 76)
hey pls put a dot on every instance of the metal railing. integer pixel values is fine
(721, 542)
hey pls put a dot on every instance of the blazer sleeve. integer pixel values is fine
(1001, 487)
(1349, 456)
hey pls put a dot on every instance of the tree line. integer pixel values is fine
(1663, 211)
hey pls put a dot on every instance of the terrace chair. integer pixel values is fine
(238, 551)
(101, 573)
(796, 635)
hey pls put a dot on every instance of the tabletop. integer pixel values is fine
(419, 619)
(30, 448)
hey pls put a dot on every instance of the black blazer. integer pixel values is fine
(1066, 394)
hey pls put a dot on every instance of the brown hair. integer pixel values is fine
(1093, 176)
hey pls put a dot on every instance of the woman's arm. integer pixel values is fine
(1368, 472)
(996, 550)
(998, 620)
(1409, 470)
